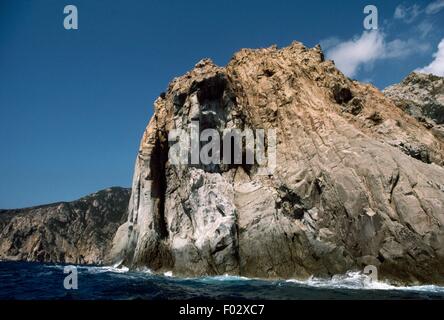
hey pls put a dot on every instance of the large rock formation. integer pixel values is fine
(422, 96)
(358, 181)
(72, 232)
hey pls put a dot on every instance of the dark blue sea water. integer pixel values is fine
(25, 281)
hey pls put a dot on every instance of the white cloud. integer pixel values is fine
(403, 48)
(435, 7)
(407, 14)
(437, 65)
(350, 56)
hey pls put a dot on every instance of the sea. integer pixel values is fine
(38, 281)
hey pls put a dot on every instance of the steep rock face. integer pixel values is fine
(348, 189)
(422, 96)
(71, 232)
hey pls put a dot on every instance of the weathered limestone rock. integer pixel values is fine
(357, 180)
(69, 232)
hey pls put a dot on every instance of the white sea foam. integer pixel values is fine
(168, 274)
(144, 270)
(349, 280)
(360, 281)
(120, 269)
(227, 277)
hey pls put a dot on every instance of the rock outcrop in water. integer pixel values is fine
(358, 181)
(72, 232)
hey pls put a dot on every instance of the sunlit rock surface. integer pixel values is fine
(358, 180)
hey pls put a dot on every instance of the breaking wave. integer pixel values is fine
(350, 280)
(360, 281)
(45, 281)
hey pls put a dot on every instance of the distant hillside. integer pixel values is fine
(80, 231)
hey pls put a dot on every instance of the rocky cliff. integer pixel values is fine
(421, 96)
(73, 232)
(358, 181)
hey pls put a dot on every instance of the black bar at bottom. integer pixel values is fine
(352, 309)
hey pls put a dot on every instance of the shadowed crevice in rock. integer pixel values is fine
(210, 89)
(158, 161)
(290, 203)
(341, 94)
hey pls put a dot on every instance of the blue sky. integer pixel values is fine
(74, 103)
